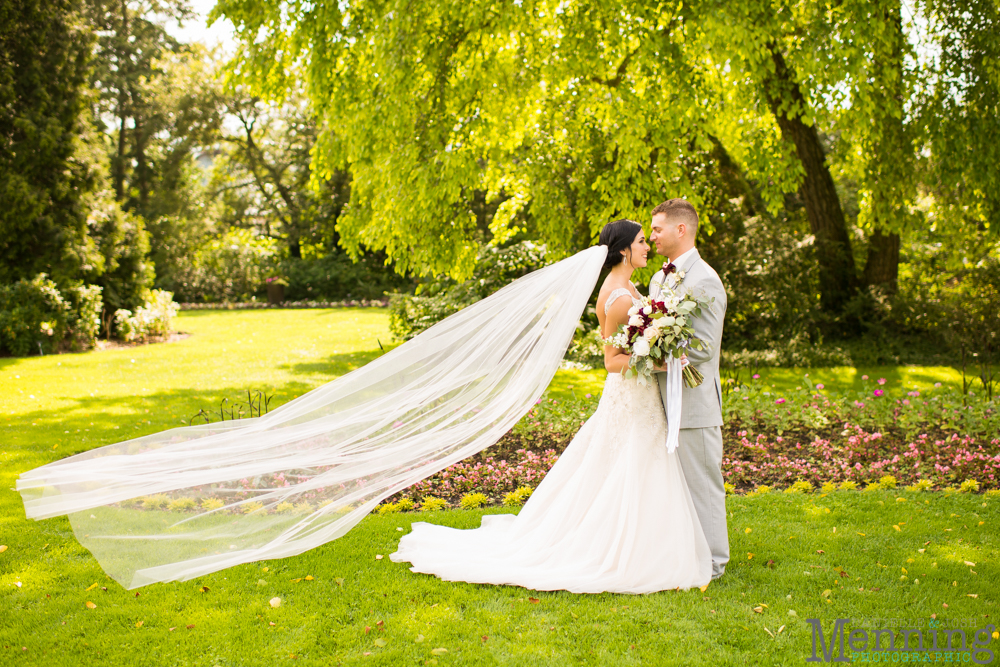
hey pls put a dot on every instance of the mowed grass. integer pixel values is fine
(59, 405)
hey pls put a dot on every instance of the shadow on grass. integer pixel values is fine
(336, 365)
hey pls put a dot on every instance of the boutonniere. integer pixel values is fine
(672, 275)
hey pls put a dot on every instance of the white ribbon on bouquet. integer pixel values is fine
(674, 385)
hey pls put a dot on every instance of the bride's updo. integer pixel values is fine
(618, 236)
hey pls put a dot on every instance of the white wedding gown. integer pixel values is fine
(613, 514)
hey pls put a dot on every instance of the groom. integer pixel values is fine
(674, 228)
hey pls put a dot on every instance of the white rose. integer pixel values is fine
(634, 310)
(650, 333)
(641, 347)
(635, 321)
(648, 310)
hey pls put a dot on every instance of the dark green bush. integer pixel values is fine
(437, 299)
(35, 318)
(335, 276)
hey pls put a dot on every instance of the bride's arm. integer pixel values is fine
(615, 360)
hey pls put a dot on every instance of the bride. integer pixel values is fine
(614, 513)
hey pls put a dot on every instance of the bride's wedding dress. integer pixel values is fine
(613, 514)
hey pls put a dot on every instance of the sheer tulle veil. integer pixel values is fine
(189, 501)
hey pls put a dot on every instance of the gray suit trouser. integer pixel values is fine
(700, 453)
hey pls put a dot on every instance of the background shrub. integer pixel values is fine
(153, 318)
(33, 317)
(436, 299)
(231, 267)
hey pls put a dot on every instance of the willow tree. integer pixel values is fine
(567, 115)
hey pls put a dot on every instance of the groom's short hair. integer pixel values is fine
(679, 210)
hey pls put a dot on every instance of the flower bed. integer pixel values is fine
(797, 440)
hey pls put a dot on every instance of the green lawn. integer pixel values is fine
(55, 406)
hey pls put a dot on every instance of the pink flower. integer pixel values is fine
(937, 384)
(878, 392)
(906, 401)
(756, 376)
(864, 377)
(536, 402)
(397, 424)
(780, 401)
(587, 396)
(913, 393)
(881, 380)
(819, 386)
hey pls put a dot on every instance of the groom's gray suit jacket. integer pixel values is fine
(703, 404)
(700, 447)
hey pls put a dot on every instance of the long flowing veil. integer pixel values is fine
(193, 500)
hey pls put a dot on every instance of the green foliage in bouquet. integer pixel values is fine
(437, 299)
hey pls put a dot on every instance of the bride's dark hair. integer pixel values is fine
(618, 236)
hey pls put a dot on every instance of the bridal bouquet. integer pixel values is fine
(659, 328)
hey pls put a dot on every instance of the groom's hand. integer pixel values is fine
(663, 369)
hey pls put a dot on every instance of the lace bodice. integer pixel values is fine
(621, 291)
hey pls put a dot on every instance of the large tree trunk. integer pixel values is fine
(119, 166)
(888, 155)
(882, 266)
(837, 272)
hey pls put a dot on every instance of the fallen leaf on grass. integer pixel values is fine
(171, 629)
(380, 642)
(275, 602)
(368, 629)
(485, 638)
(749, 556)
(204, 589)
(92, 586)
(780, 629)
(759, 610)
(261, 582)
(861, 534)
(703, 588)
(295, 581)
(970, 563)
(309, 577)
(747, 531)
(533, 600)
(190, 627)
(138, 624)
(380, 625)
(438, 651)
(272, 623)
(3, 547)
(820, 551)
(91, 605)
(972, 595)
(768, 631)
(573, 615)
(419, 639)
(897, 527)
(826, 593)
(378, 556)
(340, 581)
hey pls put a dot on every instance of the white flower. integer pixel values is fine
(651, 333)
(635, 321)
(641, 348)
(634, 310)
(648, 310)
